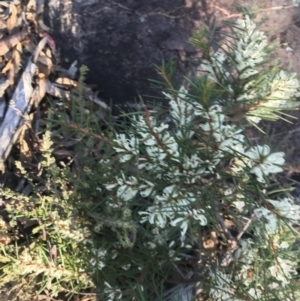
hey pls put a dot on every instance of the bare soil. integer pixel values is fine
(121, 41)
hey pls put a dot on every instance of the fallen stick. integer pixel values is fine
(19, 106)
(14, 118)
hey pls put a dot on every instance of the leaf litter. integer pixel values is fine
(29, 72)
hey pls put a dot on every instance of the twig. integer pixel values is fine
(236, 15)
(226, 12)
(234, 245)
(278, 7)
(153, 13)
(158, 140)
(246, 226)
(224, 228)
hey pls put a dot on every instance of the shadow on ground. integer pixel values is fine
(121, 41)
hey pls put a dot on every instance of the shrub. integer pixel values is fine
(172, 200)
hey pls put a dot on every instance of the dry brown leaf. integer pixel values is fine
(42, 84)
(31, 6)
(11, 41)
(13, 66)
(39, 48)
(48, 53)
(66, 81)
(45, 65)
(17, 60)
(19, 48)
(25, 151)
(16, 64)
(5, 239)
(210, 242)
(11, 75)
(31, 11)
(12, 21)
(39, 91)
(229, 223)
(7, 67)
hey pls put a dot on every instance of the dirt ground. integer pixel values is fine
(121, 41)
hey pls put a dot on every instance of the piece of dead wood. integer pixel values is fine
(70, 73)
(92, 97)
(56, 91)
(73, 69)
(21, 102)
(18, 108)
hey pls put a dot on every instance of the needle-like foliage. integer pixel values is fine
(174, 204)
